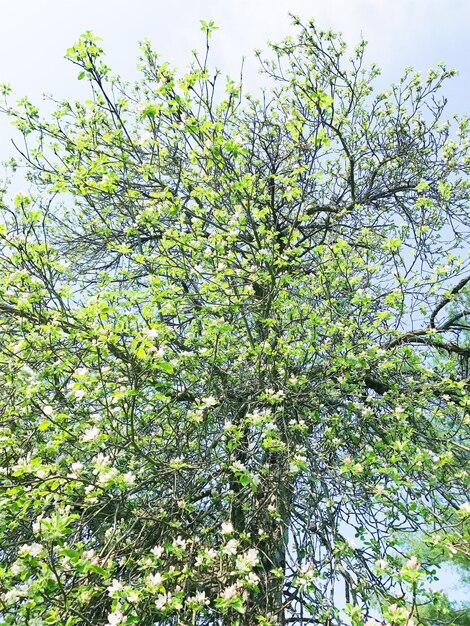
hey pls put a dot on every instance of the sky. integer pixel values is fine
(34, 35)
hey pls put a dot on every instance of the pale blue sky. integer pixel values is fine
(34, 35)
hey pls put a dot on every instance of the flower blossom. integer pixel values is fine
(33, 549)
(209, 401)
(179, 542)
(162, 600)
(91, 434)
(230, 592)
(157, 551)
(231, 547)
(198, 600)
(129, 479)
(116, 585)
(227, 528)
(154, 580)
(116, 617)
(412, 563)
(248, 560)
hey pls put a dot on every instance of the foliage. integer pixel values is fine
(227, 361)
(439, 551)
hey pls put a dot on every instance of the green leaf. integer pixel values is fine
(166, 367)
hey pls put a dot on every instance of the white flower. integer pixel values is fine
(306, 569)
(79, 393)
(145, 137)
(17, 592)
(199, 599)
(351, 543)
(210, 553)
(231, 547)
(252, 578)
(157, 551)
(132, 596)
(33, 549)
(209, 401)
(227, 528)
(154, 580)
(176, 462)
(141, 106)
(230, 592)
(248, 560)
(151, 333)
(101, 460)
(251, 557)
(91, 434)
(89, 554)
(412, 563)
(114, 586)
(129, 478)
(465, 507)
(270, 426)
(77, 466)
(238, 466)
(162, 599)
(107, 476)
(179, 542)
(16, 568)
(116, 617)
(198, 415)
(381, 564)
(23, 462)
(48, 410)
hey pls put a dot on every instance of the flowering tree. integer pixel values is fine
(444, 611)
(229, 374)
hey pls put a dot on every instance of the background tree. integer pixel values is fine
(441, 552)
(443, 610)
(220, 315)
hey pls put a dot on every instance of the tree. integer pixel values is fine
(220, 315)
(442, 610)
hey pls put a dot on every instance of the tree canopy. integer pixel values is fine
(445, 611)
(233, 364)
